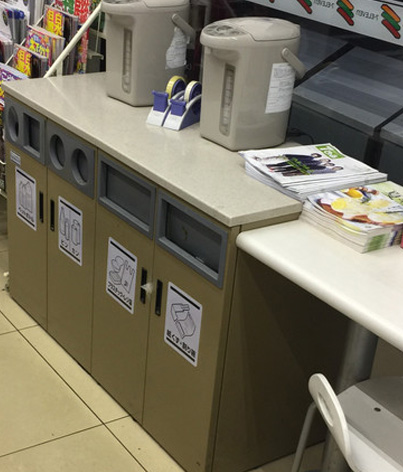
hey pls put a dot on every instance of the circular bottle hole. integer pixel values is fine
(13, 123)
(80, 167)
(57, 154)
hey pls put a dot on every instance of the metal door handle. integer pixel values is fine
(52, 215)
(158, 298)
(143, 292)
(41, 207)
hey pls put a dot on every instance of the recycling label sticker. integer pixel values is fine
(121, 275)
(25, 189)
(183, 323)
(70, 230)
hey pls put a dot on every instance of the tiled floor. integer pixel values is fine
(55, 417)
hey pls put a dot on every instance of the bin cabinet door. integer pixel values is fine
(123, 263)
(184, 355)
(71, 239)
(27, 232)
(123, 267)
(188, 323)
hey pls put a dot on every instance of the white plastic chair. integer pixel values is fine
(365, 420)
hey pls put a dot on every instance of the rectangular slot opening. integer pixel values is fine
(127, 196)
(32, 134)
(195, 240)
(193, 237)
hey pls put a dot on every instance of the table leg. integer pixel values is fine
(356, 366)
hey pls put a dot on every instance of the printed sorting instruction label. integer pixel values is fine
(70, 230)
(121, 275)
(182, 323)
(25, 189)
(279, 96)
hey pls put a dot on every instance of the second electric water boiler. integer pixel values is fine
(249, 70)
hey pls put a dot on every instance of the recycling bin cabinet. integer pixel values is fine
(193, 268)
(123, 267)
(26, 177)
(71, 237)
(51, 224)
(205, 347)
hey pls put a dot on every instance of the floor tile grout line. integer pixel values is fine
(112, 432)
(9, 320)
(13, 325)
(73, 434)
(8, 332)
(123, 445)
(102, 423)
(24, 328)
(61, 377)
(51, 440)
(105, 424)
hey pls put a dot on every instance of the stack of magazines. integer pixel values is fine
(365, 218)
(8, 73)
(301, 171)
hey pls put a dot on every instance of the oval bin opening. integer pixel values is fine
(80, 167)
(13, 123)
(57, 153)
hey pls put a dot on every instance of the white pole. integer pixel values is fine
(56, 66)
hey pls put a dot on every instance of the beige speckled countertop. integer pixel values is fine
(204, 174)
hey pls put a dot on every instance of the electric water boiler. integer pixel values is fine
(146, 45)
(249, 68)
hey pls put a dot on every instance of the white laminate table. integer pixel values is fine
(367, 288)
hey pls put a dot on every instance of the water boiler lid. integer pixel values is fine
(144, 5)
(165, 3)
(257, 28)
